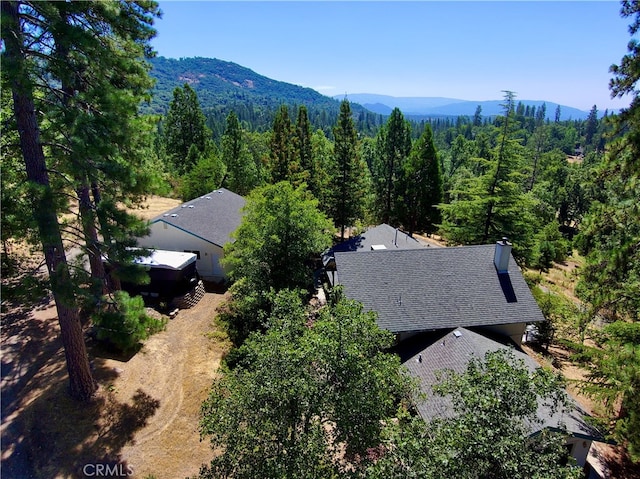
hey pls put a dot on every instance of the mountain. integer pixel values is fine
(438, 106)
(220, 83)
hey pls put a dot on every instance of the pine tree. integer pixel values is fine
(184, 125)
(80, 67)
(282, 161)
(591, 126)
(610, 239)
(348, 182)
(241, 175)
(492, 204)
(82, 384)
(303, 145)
(394, 145)
(421, 186)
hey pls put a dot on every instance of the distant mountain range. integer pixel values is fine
(223, 85)
(438, 106)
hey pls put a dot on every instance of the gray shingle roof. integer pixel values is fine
(385, 235)
(434, 288)
(212, 217)
(445, 350)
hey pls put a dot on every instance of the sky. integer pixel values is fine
(553, 51)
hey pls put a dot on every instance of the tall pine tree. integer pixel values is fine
(348, 182)
(394, 145)
(421, 186)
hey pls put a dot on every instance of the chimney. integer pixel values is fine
(501, 256)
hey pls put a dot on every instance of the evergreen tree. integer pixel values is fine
(348, 182)
(282, 153)
(241, 170)
(16, 66)
(591, 126)
(184, 125)
(421, 186)
(493, 204)
(610, 238)
(324, 171)
(394, 145)
(303, 145)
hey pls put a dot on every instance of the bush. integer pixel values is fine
(124, 323)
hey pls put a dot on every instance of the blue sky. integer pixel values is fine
(553, 51)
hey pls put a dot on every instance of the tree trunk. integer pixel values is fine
(82, 384)
(113, 281)
(92, 242)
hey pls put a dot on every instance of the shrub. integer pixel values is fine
(124, 323)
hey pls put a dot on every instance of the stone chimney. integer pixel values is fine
(501, 256)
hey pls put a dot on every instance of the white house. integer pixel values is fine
(201, 226)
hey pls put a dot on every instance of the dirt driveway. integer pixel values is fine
(144, 420)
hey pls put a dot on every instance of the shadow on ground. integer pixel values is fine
(55, 436)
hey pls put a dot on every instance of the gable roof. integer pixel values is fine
(211, 217)
(434, 288)
(452, 349)
(381, 235)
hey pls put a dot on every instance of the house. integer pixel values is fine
(428, 289)
(451, 349)
(378, 238)
(447, 305)
(201, 226)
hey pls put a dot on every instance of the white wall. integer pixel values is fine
(165, 236)
(579, 449)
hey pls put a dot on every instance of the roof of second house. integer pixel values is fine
(434, 288)
(211, 217)
(452, 349)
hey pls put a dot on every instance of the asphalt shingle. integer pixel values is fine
(212, 217)
(434, 288)
(452, 349)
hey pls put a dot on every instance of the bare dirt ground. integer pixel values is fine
(145, 415)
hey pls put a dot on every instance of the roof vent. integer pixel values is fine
(166, 214)
(457, 333)
(190, 206)
(173, 215)
(207, 197)
(377, 247)
(183, 206)
(501, 256)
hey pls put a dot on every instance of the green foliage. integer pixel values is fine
(242, 173)
(349, 181)
(184, 126)
(124, 323)
(274, 246)
(614, 379)
(493, 204)
(550, 246)
(283, 162)
(204, 177)
(421, 186)
(393, 148)
(307, 398)
(280, 231)
(491, 433)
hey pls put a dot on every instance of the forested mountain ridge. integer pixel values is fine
(217, 81)
(224, 86)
